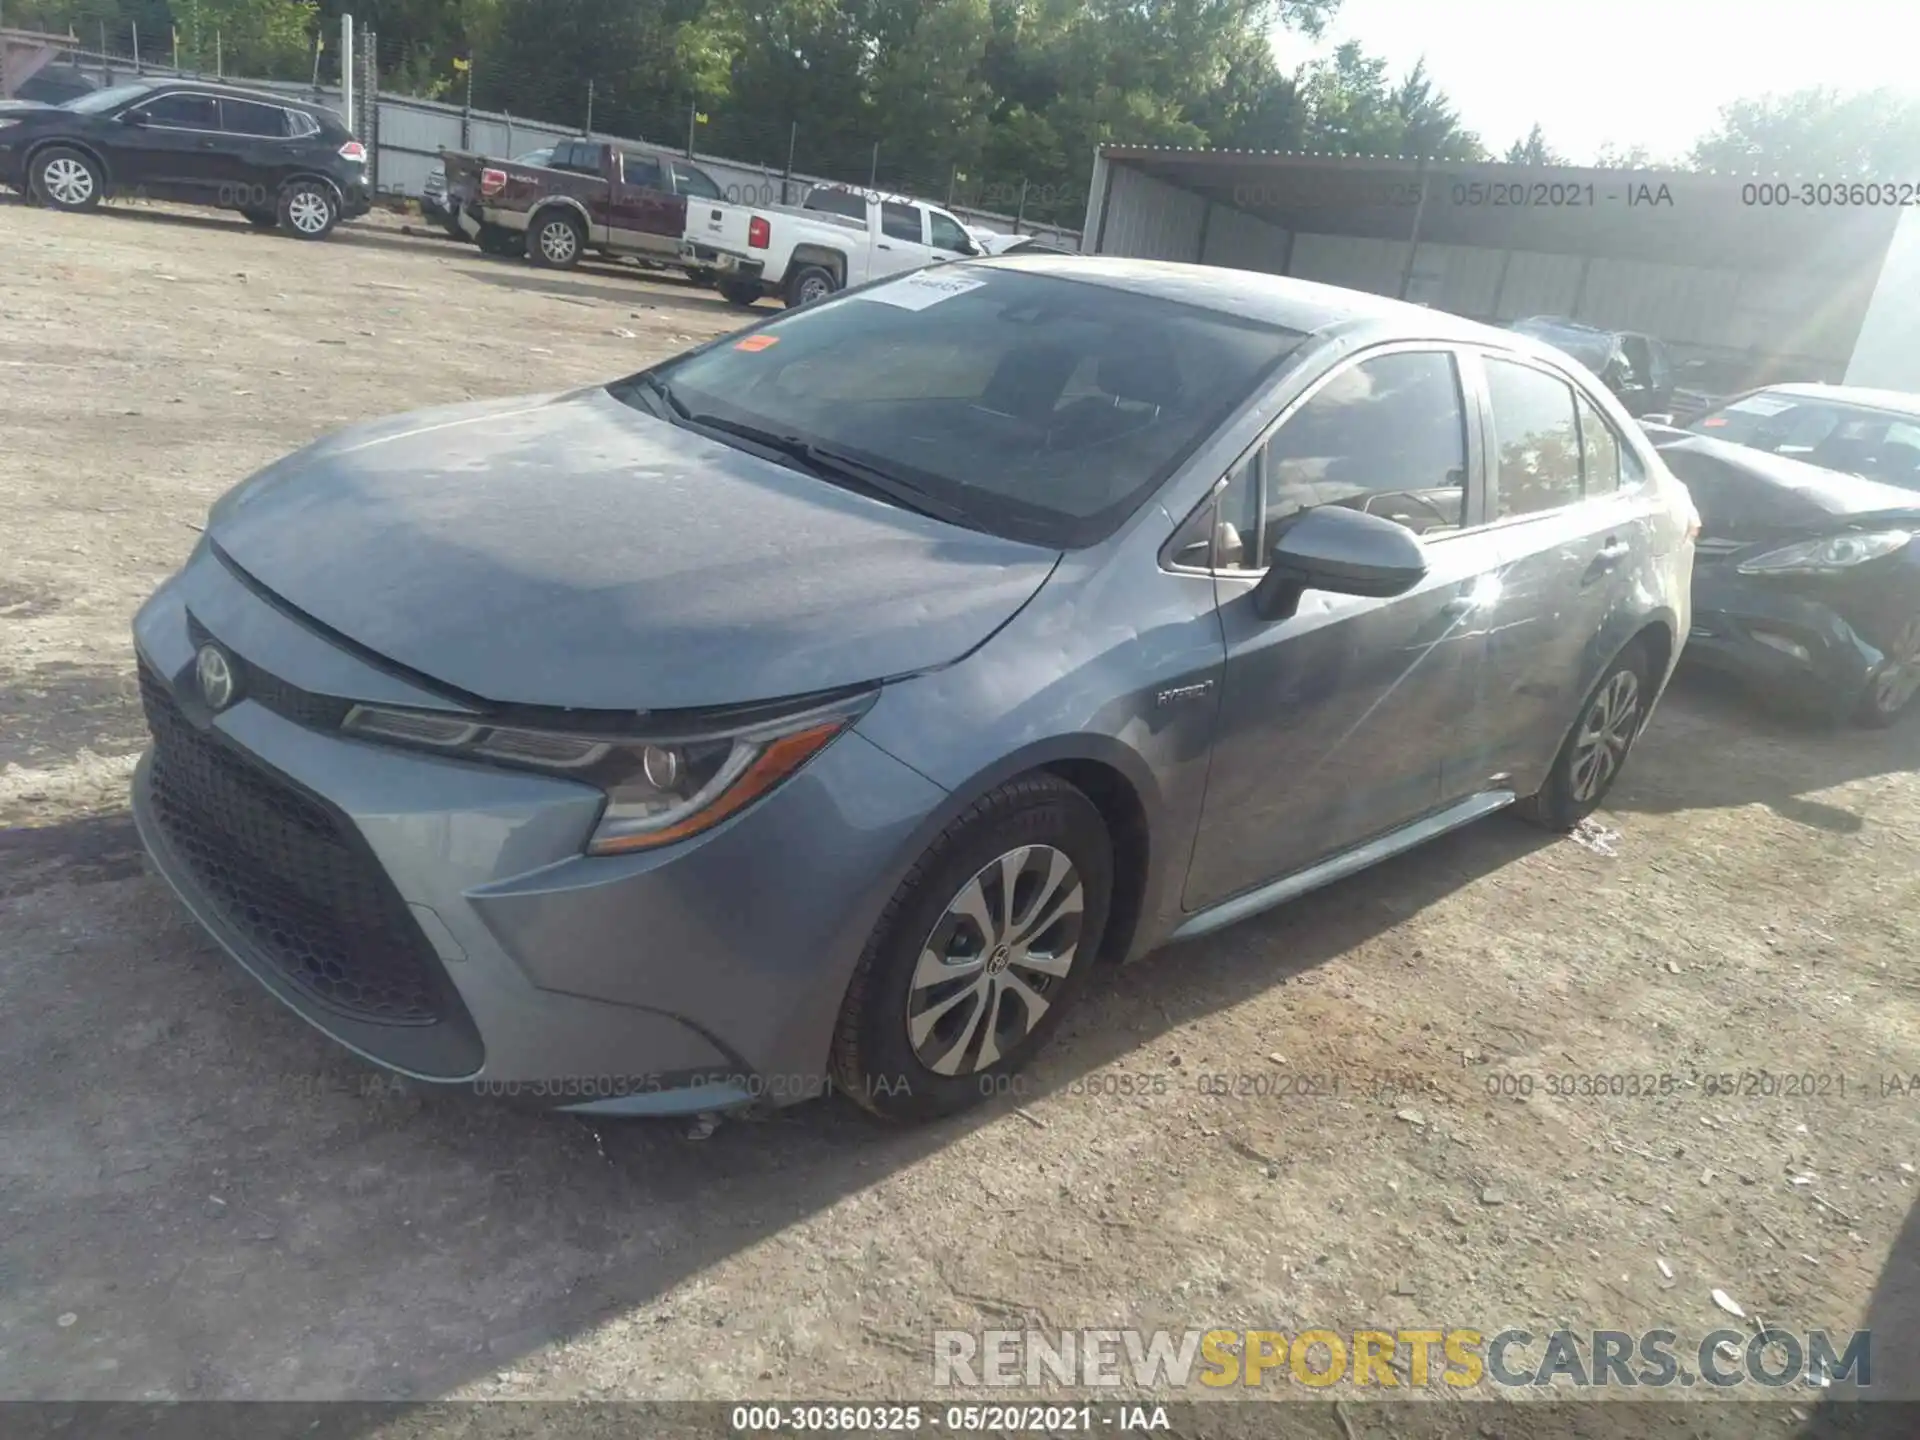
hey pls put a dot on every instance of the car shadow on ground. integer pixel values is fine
(346, 233)
(529, 1228)
(1768, 755)
(516, 275)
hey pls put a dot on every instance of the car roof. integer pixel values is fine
(1898, 401)
(238, 92)
(1303, 305)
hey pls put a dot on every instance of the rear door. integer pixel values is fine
(644, 213)
(257, 154)
(1572, 511)
(1336, 724)
(175, 150)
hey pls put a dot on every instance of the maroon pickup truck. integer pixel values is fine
(591, 197)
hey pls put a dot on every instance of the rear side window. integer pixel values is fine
(1537, 439)
(581, 157)
(183, 112)
(642, 170)
(838, 202)
(900, 222)
(246, 117)
(301, 125)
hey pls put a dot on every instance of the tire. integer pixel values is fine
(744, 293)
(262, 219)
(555, 241)
(1891, 692)
(308, 210)
(1614, 710)
(810, 283)
(67, 179)
(876, 1062)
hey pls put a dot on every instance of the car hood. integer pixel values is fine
(1748, 494)
(572, 551)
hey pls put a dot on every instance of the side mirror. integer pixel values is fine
(1346, 552)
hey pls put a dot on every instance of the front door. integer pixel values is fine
(1573, 520)
(256, 156)
(948, 238)
(174, 152)
(1335, 724)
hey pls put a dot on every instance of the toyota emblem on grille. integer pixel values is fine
(215, 677)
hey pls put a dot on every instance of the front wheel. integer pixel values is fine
(1891, 692)
(308, 210)
(67, 179)
(556, 242)
(1590, 760)
(980, 952)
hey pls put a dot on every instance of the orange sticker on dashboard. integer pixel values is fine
(758, 342)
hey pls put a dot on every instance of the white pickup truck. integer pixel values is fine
(837, 237)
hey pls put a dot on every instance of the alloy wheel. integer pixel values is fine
(1899, 678)
(813, 289)
(558, 242)
(1004, 945)
(67, 181)
(309, 212)
(1605, 734)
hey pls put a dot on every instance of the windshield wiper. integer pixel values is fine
(665, 391)
(837, 467)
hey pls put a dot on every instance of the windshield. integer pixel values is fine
(101, 101)
(1024, 405)
(1848, 438)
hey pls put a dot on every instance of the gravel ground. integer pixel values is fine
(201, 1197)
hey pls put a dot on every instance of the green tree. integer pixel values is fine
(1533, 150)
(1871, 135)
(1633, 157)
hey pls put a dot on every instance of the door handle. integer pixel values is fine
(883, 247)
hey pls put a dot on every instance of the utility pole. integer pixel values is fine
(953, 178)
(589, 129)
(219, 58)
(793, 139)
(693, 119)
(1021, 213)
(136, 49)
(346, 68)
(873, 172)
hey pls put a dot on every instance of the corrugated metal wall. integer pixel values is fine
(1149, 219)
(1240, 241)
(1813, 313)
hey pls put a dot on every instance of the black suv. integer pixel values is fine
(280, 162)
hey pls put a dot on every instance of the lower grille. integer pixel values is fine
(288, 874)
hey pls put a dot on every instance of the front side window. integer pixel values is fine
(692, 181)
(1536, 439)
(245, 117)
(183, 112)
(1028, 406)
(948, 233)
(900, 222)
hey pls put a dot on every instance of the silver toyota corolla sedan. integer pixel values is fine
(818, 709)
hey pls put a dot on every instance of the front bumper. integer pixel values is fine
(1789, 644)
(449, 927)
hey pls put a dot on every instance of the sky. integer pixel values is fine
(1629, 72)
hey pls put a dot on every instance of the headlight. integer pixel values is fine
(1838, 552)
(660, 787)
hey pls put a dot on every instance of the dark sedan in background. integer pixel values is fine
(280, 162)
(1807, 579)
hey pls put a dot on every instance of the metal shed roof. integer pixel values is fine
(1676, 217)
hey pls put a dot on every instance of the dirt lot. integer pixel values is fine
(199, 1198)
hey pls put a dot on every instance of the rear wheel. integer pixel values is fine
(555, 241)
(1891, 692)
(810, 283)
(1596, 749)
(67, 179)
(745, 293)
(981, 951)
(308, 210)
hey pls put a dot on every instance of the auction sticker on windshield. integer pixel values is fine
(919, 290)
(1762, 405)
